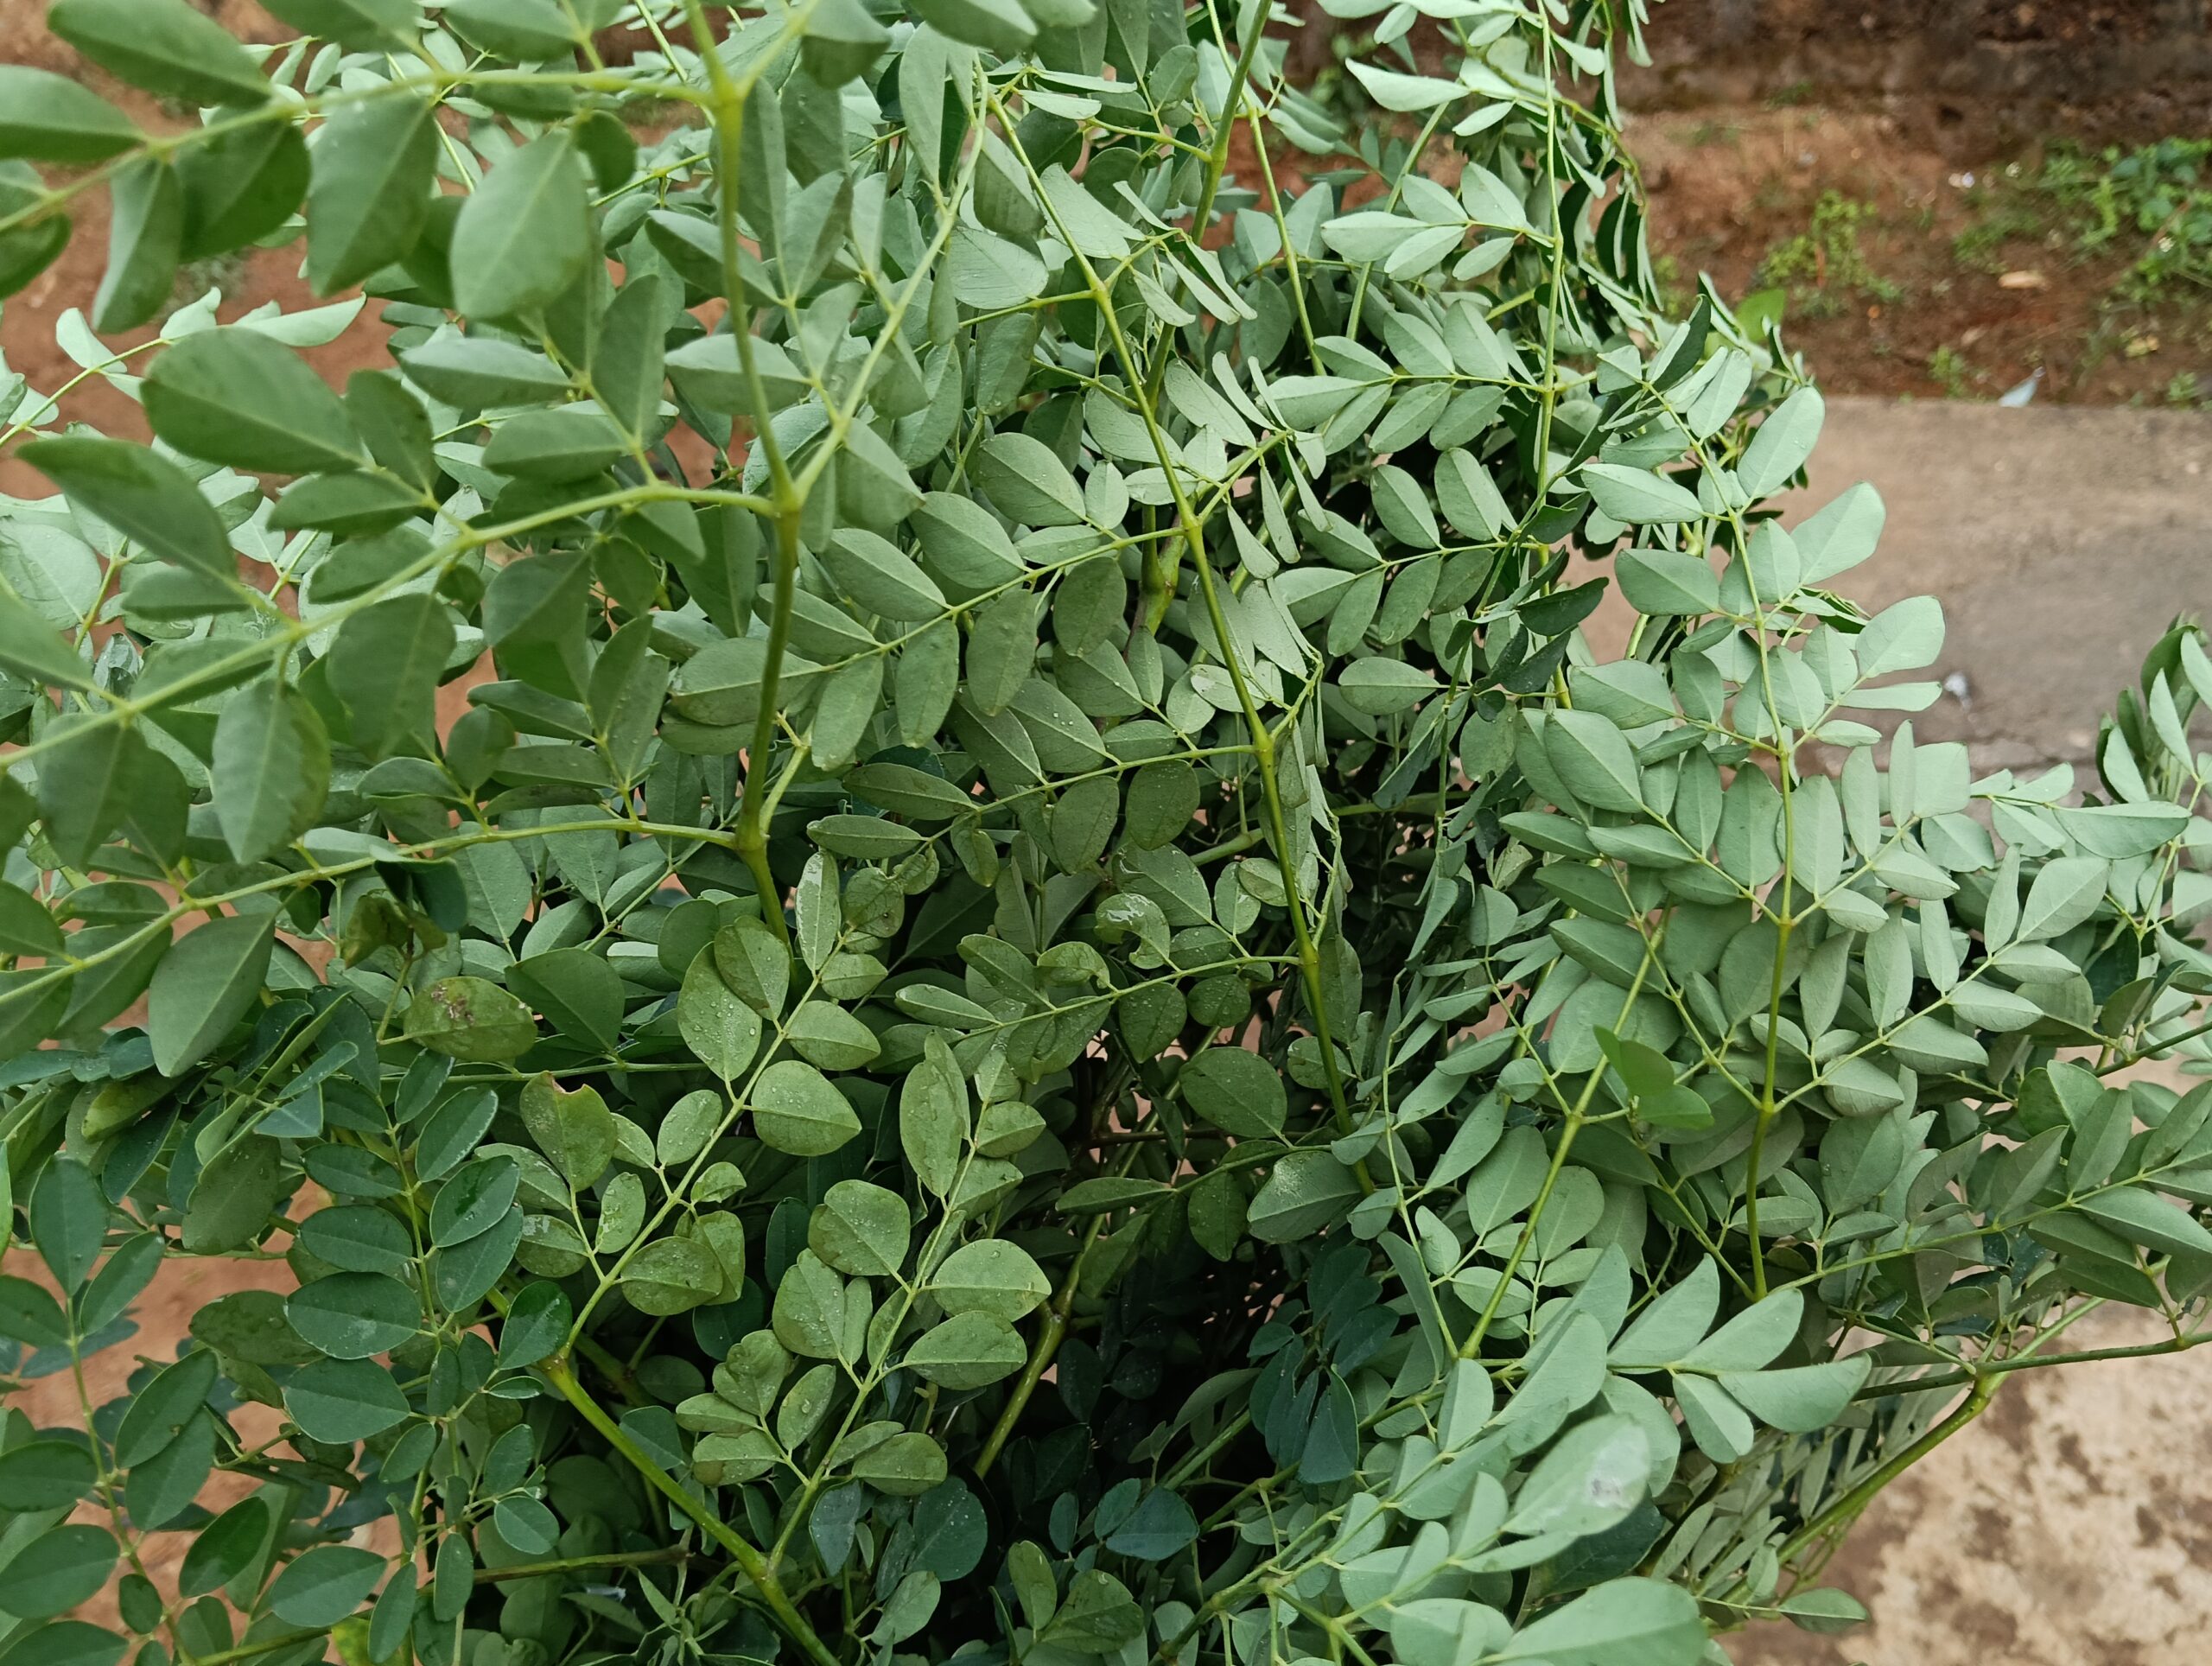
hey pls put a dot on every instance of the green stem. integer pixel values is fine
(249, 1650)
(749, 1559)
(725, 104)
(1846, 1509)
(2032, 1361)
(1050, 1335)
(666, 1553)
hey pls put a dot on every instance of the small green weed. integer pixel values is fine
(2150, 207)
(1825, 264)
(1949, 369)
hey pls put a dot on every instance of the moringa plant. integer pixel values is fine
(904, 882)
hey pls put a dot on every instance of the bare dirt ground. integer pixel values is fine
(1898, 149)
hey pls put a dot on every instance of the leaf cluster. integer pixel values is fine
(903, 885)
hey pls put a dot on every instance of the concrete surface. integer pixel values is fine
(2062, 540)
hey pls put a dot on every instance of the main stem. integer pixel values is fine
(726, 103)
(749, 1558)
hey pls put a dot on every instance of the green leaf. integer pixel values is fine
(2121, 830)
(1637, 497)
(1001, 649)
(1381, 687)
(753, 961)
(537, 1325)
(470, 1019)
(990, 1276)
(374, 168)
(1643, 1620)
(566, 444)
(30, 649)
(1238, 1092)
(968, 1351)
(719, 1028)
(524, 233)
(840, 39)
(906, 1466)
(344, 1400)
(358, 25)
(1594, 759)
(1801, 1399)
(999, 26)
(933, 1117)
(1782, 442)
(139, 492)
(236, 397)
(204, 986)
(2141, 1216)
(49, 118)
(1663, 583)
(526, 29)
(324, 1585)
(579, 993)
(1901, 636)
(824, 1033)
(722, 682)
(226, 1546)
(795, 1110)
(1306, 1192)
(475, 372)
(1027, 482)
(1161, 1526)
(163, 46)
(46, 1474)
(57, 1570)
(1405, 93)
(473, 1201)
(690, 1123)
(28, 1314)
(161, 1408)
(1752, 1337)
(882, 578)
(859, 1228)
(626, 363)
(272, 769)
(236, 1194)
(353, 1315)
(88, 785)
(64, 1643)
(240, 186)
(672, 1276)
(360, 1238)
(386, 665)
(145, 241)
(68, 1221)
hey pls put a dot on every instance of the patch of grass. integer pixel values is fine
(2154, 203)
(1825, 264)
(1789, 98)
(2005, 212)
(2150, 206)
